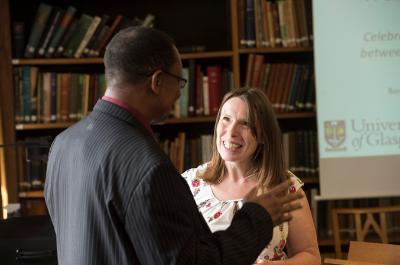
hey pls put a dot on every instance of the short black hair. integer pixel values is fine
(135, 52)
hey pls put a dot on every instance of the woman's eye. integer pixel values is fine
(225, 118)
(245, 124)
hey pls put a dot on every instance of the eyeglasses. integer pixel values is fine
(182, 81)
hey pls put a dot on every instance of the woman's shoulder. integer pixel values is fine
(193, 176)
(297, 183)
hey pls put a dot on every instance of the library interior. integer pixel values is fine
(328, 68)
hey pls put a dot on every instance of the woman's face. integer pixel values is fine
(235, 141)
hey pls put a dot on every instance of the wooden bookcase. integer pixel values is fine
(218, 30)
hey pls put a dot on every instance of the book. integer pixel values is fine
(124, 22)
(206, 97)
(277, 29)
(257, 70)
(184, 98)
(65, 39)
(96, 35)
(283, 22)
(249, 69)
(199, 104)
(270, 23)
(53, 97)
(79, 33)
(214, 74)
(64, 24)
(192, 88)
(241, 23)
(107, 37)
(250, 31)
(39, 24)
(88, 35)
(53, 23)
(18, 34)
(103, 32)
(34, 73)
(46, 98)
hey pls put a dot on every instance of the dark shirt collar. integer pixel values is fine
(138, 115)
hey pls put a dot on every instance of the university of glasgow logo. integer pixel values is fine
(335, 134)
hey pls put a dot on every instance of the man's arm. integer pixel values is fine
(165, 226)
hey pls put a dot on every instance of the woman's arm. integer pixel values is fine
(302, 244)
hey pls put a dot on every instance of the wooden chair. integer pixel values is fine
(364, 219)
(366, 253)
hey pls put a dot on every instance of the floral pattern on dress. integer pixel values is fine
(219, 214)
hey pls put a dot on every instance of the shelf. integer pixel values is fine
(42, 126)
(202, 119)
(276, 50)
(295, 115)
(38, 194)
(310, 180)
(73, 61)
(203, 55)
(57, 61)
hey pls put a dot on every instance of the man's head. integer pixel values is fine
(145, 59)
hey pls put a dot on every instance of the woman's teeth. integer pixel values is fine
(229, 145)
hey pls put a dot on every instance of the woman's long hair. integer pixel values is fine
(268, 165)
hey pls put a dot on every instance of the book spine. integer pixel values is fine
(214, 74)
(107, 36)
(83, 25)
(206, 97)
(18, 39)
(61, 29)
(199, 91)
(88, 35)
(42, 15)
(95, 38)
(192, 86)
(54, 22)
(53, 97)
(250, 24)
(65, 39)
(185, 94)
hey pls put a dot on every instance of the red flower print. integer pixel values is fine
(282, 244)
(292, 189)
(195, 183)
(217, 214)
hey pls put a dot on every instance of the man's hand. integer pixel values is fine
(277, 201)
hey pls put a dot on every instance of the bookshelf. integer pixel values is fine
(218, 36)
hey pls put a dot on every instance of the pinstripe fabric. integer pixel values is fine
(115, 198)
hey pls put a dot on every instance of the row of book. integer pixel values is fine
(187, 152)
(43, 97)
(289, 87)
(203, 92)
(58, 32)
(273, 23)
(301, 150)
(32, 156)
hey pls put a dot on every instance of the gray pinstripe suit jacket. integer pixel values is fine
(115, 198)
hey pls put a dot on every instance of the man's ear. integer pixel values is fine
(156, 82)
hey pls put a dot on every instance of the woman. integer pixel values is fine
(247, 152)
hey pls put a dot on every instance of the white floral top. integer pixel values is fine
(219, 214)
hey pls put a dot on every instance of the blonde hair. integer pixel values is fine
(268, 165)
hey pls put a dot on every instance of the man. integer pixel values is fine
(115, 198)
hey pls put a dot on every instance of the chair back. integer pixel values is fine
(364, 220)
